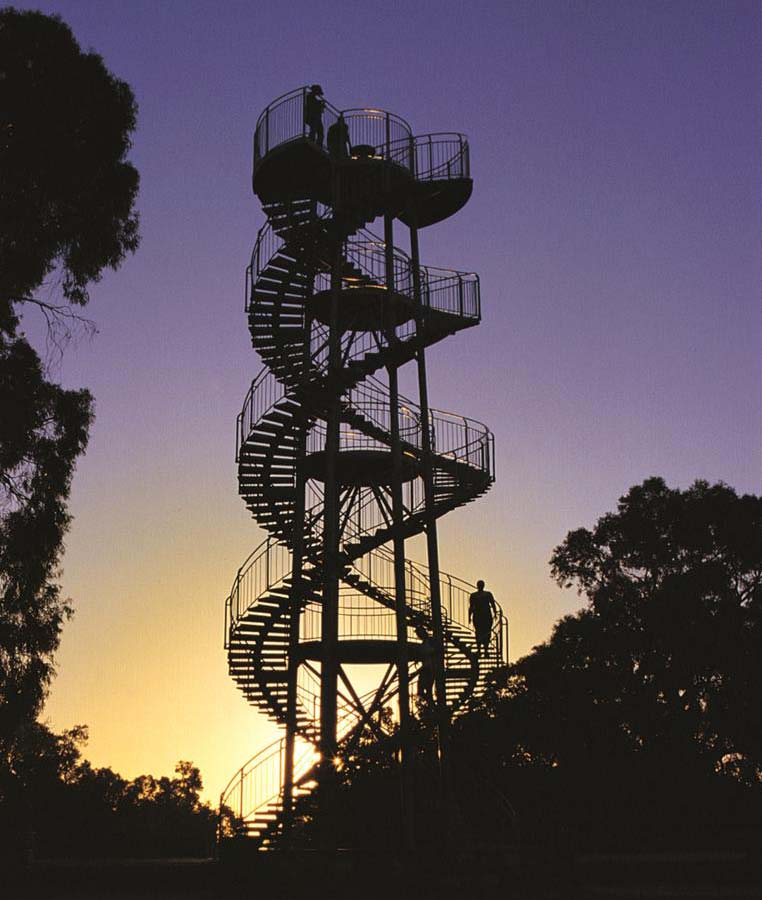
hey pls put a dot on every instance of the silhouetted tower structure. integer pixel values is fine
(334, 463)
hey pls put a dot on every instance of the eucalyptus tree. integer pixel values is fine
(67, 212)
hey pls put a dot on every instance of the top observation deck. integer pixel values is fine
(427, 177)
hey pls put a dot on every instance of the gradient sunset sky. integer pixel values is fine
(615, 223)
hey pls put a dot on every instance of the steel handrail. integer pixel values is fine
(276, 750)
(266, 383)
(453, 164)
(446, 291)
(268, 122)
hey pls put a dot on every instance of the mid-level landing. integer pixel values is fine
(300, 168)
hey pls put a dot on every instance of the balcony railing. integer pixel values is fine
(443, 290)
(428, 157)
(283, 121)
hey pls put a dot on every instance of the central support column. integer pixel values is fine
(432, 544)
(297, 596)
(331, 562)
(408, 823)
(297, 583)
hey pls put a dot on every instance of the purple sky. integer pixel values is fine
(615, 224)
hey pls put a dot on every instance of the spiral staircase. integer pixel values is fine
(390, 310)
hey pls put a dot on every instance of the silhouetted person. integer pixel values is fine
(426, 675)
(314, 104)
(482, 609)
(338, 139)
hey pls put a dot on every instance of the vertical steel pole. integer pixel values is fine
(432, 544)
(297, 587)
(331, 563)
(408, 823)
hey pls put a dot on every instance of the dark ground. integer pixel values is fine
(341, 876)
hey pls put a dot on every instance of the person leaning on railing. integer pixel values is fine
(314, 104)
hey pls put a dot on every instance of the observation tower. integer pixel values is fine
(336, 465)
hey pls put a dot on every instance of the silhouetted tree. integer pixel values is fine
(673, 631)
(68, 808)
(630, 714)
(66, 212)
(67, 190)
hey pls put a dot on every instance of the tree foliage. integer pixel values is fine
(642, 709)
(67, 190)
(43, 430)
(66, 807)
(670, 643)
(66, 212)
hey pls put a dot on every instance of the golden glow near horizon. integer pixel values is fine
(142, 663)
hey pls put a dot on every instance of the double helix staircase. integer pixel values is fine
(281, 432)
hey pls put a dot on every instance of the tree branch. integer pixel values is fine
(63, 324)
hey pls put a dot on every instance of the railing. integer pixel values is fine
(463, 440)
(448, 291)
(270, 563)
(283, 121)
(428, 157)
(388, 134)
(258, 784)
(259, 781)
(367, 404)
(445, 290)
(264, 569)
(263, 394)
(441, 156)
(377, 568)
(453, 437)
(360, 618)
(266, 247)
(442, 290)
(368, 254)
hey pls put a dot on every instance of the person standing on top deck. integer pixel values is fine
(338, 140)
(314, 103)
(482, 609)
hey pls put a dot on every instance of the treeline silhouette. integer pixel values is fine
(65, 217)
(637, 725)
(54, 803)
